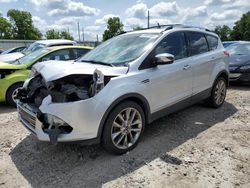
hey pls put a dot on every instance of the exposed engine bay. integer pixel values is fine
(67, 89)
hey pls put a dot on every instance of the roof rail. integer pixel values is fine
(171, 26)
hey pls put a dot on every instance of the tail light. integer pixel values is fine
(226, 53)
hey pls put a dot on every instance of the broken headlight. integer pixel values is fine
(98, 84)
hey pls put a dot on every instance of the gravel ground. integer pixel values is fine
(196, 147)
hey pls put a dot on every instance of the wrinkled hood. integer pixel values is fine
(4, 65)
(238, 60)
(11, 57)
(53, 70)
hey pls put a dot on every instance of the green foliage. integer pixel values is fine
(241, 30)
(53, 34)
(114, 28)
(5, 28)
(22, 25)
(224, 32)
(66, 35)
(137, 28)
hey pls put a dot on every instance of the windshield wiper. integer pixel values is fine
(97, 62)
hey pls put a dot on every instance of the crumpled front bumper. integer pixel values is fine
(83, 116)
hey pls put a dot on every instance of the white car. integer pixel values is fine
(112, 92)
(33, 47)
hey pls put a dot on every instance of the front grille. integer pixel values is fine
(28, 118)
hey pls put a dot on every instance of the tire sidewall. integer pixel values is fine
(107, 142)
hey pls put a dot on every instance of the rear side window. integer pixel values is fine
(174, 44)
(212, 42)
(197, 43)
(79, 52)
(58, 55)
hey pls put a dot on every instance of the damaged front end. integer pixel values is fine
(67, 89)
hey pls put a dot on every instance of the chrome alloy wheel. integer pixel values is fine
(126, 128)
(220, 92)
(14, 94)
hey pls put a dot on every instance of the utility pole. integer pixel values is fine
(148, 18)
(83, 34)
(97, 39)
(78, 31)
(68, 30)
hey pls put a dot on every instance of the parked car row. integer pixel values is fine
(109, 94)
(14, 55)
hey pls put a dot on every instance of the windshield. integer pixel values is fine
(33, 47)
(239, 49)
(30, 57)
(121, 49)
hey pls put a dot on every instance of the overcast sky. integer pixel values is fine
(93, 14)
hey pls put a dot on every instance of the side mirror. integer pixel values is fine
(164, 58)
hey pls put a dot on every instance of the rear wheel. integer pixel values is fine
(218, 94)
(123, 128)
(12, 92)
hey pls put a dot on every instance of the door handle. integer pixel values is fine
(186, 67)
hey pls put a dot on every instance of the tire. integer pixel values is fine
(219, 90)
(123, 128)
(11, 92)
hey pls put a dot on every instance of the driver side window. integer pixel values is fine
(174, 44)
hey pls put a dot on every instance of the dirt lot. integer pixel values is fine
(197, 147)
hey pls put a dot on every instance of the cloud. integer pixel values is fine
(7, 1)
(226, 15)
(239, 4)
(104, 19)
(218, 2)
(137, 11)
(165, 9)
(65, 8)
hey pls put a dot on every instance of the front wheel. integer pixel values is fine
(123, 128)
(218, 94)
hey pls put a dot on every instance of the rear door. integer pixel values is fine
(202, 61)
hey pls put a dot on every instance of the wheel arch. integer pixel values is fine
(223, 74)
(135, 97)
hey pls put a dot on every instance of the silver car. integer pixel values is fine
(112, 92)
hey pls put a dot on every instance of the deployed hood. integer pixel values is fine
(11, 57)
(237, 60)
(53, 70)
(11, 66)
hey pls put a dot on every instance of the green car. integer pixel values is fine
(13, 75)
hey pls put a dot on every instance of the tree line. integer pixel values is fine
(19, 25)
(240, 30)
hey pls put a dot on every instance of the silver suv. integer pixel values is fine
(112, 92)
